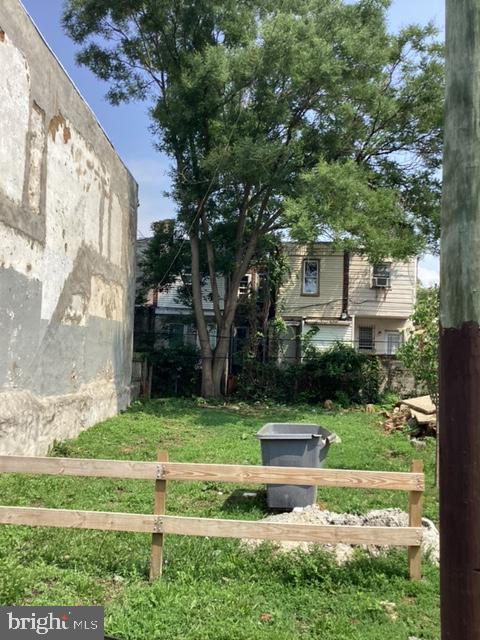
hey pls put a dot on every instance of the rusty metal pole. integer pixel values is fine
(460, 333)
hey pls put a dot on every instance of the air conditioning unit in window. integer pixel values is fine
(381, 282)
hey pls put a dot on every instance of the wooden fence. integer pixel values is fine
(159, 524)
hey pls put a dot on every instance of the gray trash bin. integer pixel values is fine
(293, 445)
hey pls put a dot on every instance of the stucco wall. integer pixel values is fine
(67, 229)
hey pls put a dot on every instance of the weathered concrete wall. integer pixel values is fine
(67, 229)
(397, 379)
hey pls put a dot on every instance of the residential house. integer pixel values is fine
(329, 296)
(165, 316)
(334, 296)
(166, 319)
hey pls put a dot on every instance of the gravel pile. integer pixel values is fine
(343, 552)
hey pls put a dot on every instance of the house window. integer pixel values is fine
(244, 286)
(187, 278)
(310, 277)
(174, 335)
(393, 342)
(366, 341)
(262, 280)
(381, 275)
(190, 335)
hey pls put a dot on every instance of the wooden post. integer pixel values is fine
(415, 507)
(159, 509)
(459, 329)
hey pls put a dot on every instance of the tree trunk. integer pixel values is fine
(208, 386)
(214, 360)
(213, 363)
(207, 355)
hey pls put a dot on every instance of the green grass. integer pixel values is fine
(213, 588)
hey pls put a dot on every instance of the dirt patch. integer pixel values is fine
(343, 552)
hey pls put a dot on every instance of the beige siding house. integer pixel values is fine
(329, 296)
(335, 296)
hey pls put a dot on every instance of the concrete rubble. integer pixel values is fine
(344, 552)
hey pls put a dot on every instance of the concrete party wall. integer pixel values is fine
(67, 229)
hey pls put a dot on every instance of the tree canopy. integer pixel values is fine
(299, 115)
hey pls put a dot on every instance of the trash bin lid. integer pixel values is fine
(291, 431)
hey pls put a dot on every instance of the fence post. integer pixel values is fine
(415, 520)
(159, 509)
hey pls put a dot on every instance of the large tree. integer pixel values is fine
(305, 114)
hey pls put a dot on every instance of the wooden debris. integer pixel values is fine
(417, 413)
(396, 420)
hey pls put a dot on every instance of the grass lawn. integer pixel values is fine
(214, 589)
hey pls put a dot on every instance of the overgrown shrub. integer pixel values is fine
(176, 371)
(340, 374)
(372, 379)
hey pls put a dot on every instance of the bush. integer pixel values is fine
(339, 373)
(176, 371)
(372, 379)
(262, 381)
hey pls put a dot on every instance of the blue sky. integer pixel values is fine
(127, 125)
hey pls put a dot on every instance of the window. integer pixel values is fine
(173, 335)
(310, 279)
(190, 336)
(393, 342)
(366, 341)
(187, 278)
(262, 281)
(245, 283)
(381, 275)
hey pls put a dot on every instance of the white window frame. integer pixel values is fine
(304, 277)
(395, 347)
(382, 275)
(245, 286)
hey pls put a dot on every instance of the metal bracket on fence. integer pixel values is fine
(158, 525)
(160, 472)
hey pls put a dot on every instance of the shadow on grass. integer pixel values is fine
(244, 501)
(214, 415)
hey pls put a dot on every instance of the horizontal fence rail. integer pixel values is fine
(158, 524)
(210, 527)
(252, 474)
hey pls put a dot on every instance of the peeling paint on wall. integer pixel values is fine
(67, 229)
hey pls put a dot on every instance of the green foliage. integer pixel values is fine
(372, 379)
(167, 247)
(307, 115)
(13, 582)
(420, 352)
(340, 374)
(176, 371)
(346, 200)
(300, 100)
